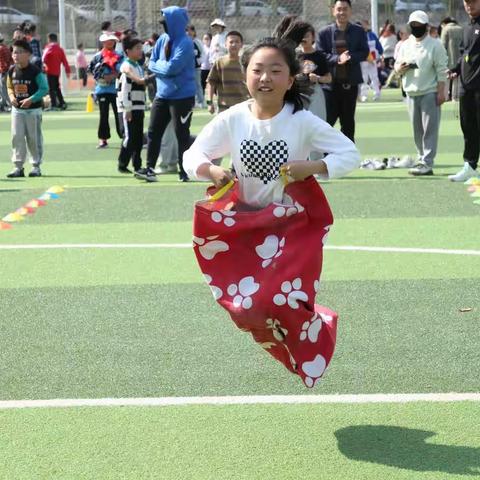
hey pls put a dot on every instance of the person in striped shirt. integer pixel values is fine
(226, 78)
(131, 105)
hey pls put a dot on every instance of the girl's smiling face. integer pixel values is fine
(268, 77)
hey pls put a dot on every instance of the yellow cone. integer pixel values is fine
(13, 217)
(90, 104)
(473, 181)
(55, 189)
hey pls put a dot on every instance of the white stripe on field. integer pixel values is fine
(351, 248)
(242, 400)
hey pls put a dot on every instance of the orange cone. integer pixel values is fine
(5, 226)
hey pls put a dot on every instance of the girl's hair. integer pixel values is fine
(287, 49)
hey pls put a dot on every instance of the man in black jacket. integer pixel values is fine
(345, 46)
(469, 70)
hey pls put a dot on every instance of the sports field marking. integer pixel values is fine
(241, 400)
(349, 248)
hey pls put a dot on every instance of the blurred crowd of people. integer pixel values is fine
(175, 71)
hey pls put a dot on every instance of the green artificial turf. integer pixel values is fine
(90, 323)
(284, 442)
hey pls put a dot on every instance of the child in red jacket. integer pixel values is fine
(53, 58)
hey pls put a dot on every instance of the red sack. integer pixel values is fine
(264, 266)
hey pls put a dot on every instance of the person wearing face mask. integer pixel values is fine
(422, 64)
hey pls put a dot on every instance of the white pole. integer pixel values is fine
(374, 16)
(62, 36)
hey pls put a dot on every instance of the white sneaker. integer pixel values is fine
(372, 164)
(363, 98)
(168, 169)
(464, 174)
(392, 162)
(406, 162)
(420, 170)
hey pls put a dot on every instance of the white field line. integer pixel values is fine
(351, 248)
(242, 400)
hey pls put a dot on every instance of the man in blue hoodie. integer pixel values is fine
(173, 63)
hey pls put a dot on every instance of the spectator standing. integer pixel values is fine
(199, 57)
(53, 59)
(81, 65)
(206, 65)
(172, 62)
(226, 78)
(27, 86)
(345, 46)
(468, 68)
(388, 40)
(369, 66)
(422, 62)
(5, 63)
(131, 104)
(105, 66)
(147, 52)
(452, 37)
(219, 36)
(30, 30)
(314, 65)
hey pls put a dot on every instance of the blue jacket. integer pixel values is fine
(176, 75)
(356, 45)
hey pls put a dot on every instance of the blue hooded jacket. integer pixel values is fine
(176, 75)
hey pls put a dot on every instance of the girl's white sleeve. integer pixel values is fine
(342, 156)
(212, 142)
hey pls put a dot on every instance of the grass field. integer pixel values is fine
(125, 322)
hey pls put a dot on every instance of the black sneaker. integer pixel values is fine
(124, 170)
(147, 174)
(183, 177)
(102, 144)
(35, 172)
(16, 173)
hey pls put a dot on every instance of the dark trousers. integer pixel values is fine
(132, 141)
(203, 78)
(56, 97)
(470, 123)
(82, 75)
(341, 104)
(180, 111)
(104, 100)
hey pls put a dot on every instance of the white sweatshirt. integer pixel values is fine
(259, 147)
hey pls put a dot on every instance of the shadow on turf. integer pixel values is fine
(406, 448)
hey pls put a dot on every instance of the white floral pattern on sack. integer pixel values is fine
(311, 328)
(208, 249)
(279, 333)
(225, 216)
(314, 370)
(288, 210)
(271, 248)
(216, 292)
(242, 293)
(291, 294)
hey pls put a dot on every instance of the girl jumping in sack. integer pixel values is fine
(260, 245)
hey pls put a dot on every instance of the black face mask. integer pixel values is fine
(163, 23)
(419, 32)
